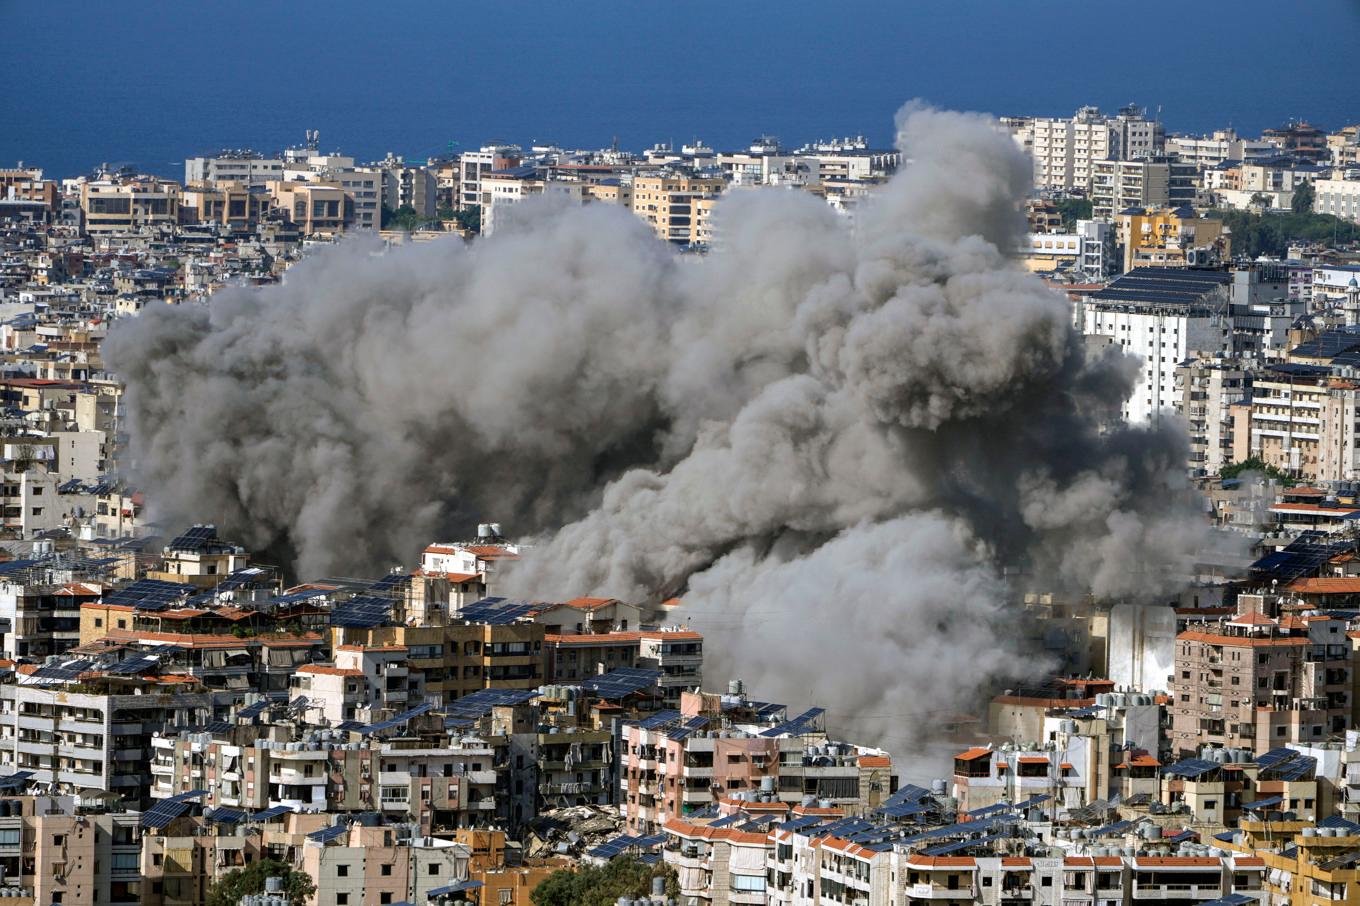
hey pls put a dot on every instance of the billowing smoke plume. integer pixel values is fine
(830, 437)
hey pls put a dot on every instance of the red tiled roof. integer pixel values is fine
(973, 755)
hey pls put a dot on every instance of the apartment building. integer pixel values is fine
(1066, 151)
(380, 865)
(675, 763)
(1161, 181)
(1211, 391)
(409, 185)
(234, 205)
(1161, 316)
(1261, 679)
(243, 167)
(1302, 421)
(1088, 251)
(676, 207)
(316, 208)
(1339, 197)
(1169, 237)
(1220, 146)
(473, 165)
(112, 206)
(677, 653)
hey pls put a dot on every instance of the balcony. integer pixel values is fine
(939, 892)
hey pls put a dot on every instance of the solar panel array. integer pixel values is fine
(271, 813)
(133, 665)
(798, 725)
(611, 848)
(198, 539)
(622, 682)
(167, 810)
(946, 848)
(479, 703)
(326, 835)
(15, 781)
(1191, 767)
(68, 671)
(297, 597)
(362, 612)
(659, 719)
(150, 594)
(497, 611)
(255, 709)
(1303, 556)
(687, 729)
(397, 721)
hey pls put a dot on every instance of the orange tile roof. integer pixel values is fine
(1233, 641)
(973, 755)
(591, 603)
(1252, 619)
(875, 761)
(1326, 585)
(324, 670)
(1249, 862)
(1142, 760)
(1032, 759)
(1016, 862)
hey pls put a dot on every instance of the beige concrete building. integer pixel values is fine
(1260, 680)
(678, 208)
(316, 208)
(126, 206)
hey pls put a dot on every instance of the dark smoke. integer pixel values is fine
(831, 436)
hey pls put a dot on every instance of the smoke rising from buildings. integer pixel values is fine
(830, 437)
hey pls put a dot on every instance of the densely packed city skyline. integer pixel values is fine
(967, 517)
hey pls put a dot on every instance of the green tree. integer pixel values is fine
(1255, 464)
(469, 219)
(602, 885)
(1256, 233)
(1072, 210)
(1302, 202)
(249, 880)
(403, 218)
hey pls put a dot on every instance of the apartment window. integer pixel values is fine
(98, 622)
(1210, 805)
(37, 492)
(387, 870)
(58, 839)
(37, 511)
(385, 897)
(434, 869)
(342, 899)
(342, 871)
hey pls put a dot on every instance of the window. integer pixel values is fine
(1210, 805)
(434, 869)
(342, 899)
(385, 897)
(98, 622)
(342, 871)
(387, 870)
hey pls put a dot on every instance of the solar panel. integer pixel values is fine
(391, 582)
(132, 665)
(1191, 767)
(271, 813)
(150, 594)
(909, 793)
(326, 835)
(218, 726)
(349, 725)
(162, 813)
(362, 612)
(1337, 821)
(728, 820)
(622, 682)
(649, 842)
(69, 671)
(903, 809)
(796, 726)
(400, 719)
(479, 703)
(659, 719)
(254, 709)
(15, 781)
(1274, 757)
(1111, 829)
(496, 611)
(802, 822)
(946, 848)
(454, 888)
(688, 728)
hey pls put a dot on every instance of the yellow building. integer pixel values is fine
(676, 207)
(1303, 866)
(1165, 237)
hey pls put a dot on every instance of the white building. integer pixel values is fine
(1065, 150)
(1339, 197)
(245, 167)
(1162, 316)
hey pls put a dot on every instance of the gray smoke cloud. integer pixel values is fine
(829, 436)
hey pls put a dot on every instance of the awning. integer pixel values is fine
(454, 888)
